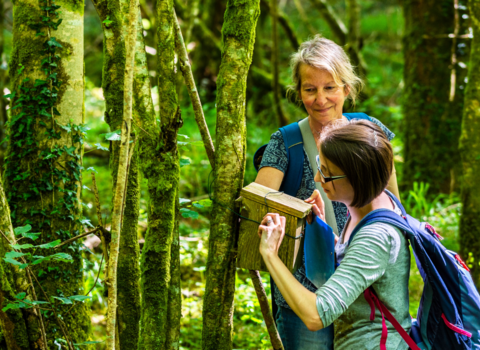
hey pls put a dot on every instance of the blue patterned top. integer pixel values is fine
(275, 156)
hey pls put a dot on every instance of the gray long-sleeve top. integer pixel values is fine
(378, 256)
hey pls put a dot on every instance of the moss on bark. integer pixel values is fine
(238, 35)
(432, 122)
(470, 153)
(128, 269)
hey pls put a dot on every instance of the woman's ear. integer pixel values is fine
(346, 89)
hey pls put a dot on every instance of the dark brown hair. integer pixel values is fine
(361, 149)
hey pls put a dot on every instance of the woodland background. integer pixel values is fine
(417, 57)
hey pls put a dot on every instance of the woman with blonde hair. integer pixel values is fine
(323, 79)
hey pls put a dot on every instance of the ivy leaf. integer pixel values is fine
(11, 306)
(81, 298)
(206, 202)
(187, 213)
(14, 255)
(32, 235)
(49, 245)
(64, 300)
(101, 148)
(184, 161)
(113, 136)
(197, 205)
(184, 200)
(53, 42)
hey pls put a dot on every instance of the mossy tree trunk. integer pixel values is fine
(470, 153)
(432, 122)
(43, 164)
(161, 300)
(128, 269)
(238, 35)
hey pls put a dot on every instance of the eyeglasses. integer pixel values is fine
(327, 178)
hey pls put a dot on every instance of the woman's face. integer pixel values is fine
(322, 97)
(343, 190)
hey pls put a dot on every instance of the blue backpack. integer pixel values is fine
(449, 311)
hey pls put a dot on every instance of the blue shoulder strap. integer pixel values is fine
(351, 116)
(293, 140)
(384, 215)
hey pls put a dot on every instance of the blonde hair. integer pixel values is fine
(322, 53)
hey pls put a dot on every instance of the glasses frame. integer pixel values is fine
(327, 178)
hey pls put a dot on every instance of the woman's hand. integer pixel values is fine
(271, 233)
(318, 206)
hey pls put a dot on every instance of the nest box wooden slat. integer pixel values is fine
(256, 201)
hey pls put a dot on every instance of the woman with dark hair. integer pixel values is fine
(354, 166)
(323, 79)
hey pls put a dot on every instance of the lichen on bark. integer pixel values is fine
(238, 35)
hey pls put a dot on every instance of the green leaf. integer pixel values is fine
(86, 188)
(21, 295)
(206, 202)
(14, 255)
(64, 300)
(92, 169)
(184, 161)
(107, 21)
(184, 200)
(22, 229)
(187, 213)
(197, 205)
(21, 246)
(86, 222)
(185, 136)
(15, 262)
(32, 235)
(101, 148)
(53, 42)
(113, 136)
(81, 298)
(49, 245)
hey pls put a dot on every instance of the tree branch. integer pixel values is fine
(186, 69)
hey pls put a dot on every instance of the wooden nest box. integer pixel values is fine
(256, 201)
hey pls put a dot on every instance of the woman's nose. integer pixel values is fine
(320, 98)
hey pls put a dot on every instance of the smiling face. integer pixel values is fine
(322, 97)
(339, 190)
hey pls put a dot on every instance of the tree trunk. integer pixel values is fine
(354, 37)
(432, 122)
(470, 151)
(128, 269)
(238, 35)
(43, 165)
(161, 300)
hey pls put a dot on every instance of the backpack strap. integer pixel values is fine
(351, 116)
(373, 301)
(293, 140)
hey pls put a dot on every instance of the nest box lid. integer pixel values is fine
(275, 200)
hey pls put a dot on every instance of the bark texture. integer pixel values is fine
(161, 300)
(238, 35)
(46, 194)
(128, 269)
(470, 153)
(432, 122)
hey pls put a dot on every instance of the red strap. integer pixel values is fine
(371, 297)
(455, 328)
